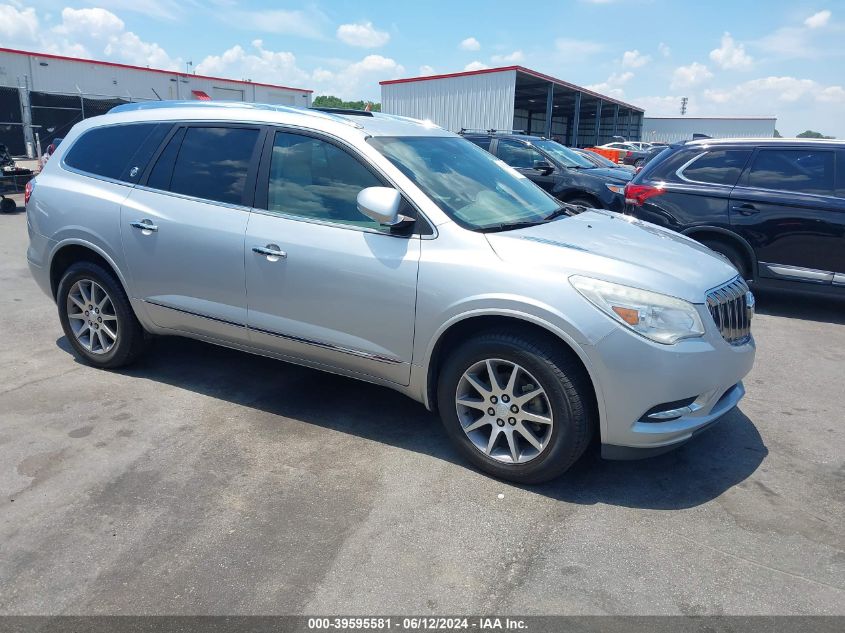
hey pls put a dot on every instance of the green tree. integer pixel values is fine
(777, 134)
(330, 101)
(812, 134)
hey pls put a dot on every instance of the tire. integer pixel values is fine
(116, 311)
(639, 162)
(7, 205)
(732, 253)
(567, 396)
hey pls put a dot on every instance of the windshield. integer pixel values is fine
(474, 188)
(563, 154)
(601, 160)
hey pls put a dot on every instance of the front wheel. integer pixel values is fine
(97, 318)
(517, 407)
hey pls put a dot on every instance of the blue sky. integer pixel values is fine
(740, 57)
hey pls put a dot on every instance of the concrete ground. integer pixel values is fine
(207, 481)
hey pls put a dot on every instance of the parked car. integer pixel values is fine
(565, 174)
(13, 179)
(600, 161)
(650, 154)
(640, 145)
(630, 154)
(774, 207)
(395, 252)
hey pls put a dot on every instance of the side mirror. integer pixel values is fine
(544, 166)
(380, 204)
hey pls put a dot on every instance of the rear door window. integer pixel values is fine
(717, 167)
(212, 163)
(799, 170)
(119, 152)
(517, 154)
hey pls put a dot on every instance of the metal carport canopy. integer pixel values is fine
(551, 106)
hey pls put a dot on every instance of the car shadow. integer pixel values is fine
(698, 472)
(796, 304)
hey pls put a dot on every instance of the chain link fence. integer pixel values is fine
(52, 115)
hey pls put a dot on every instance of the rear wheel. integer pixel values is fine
(516, 407)
(7, 205)
(732, 253)
(97, 318)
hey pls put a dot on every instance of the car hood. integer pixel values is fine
(617, 248)
(611, 173)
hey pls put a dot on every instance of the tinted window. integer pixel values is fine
(719, 167)
(482, 141)
(518, 154)
(213, 162)
(315, 179)
(109, 151)
(804, 171)
(163, 170)
(840, 173)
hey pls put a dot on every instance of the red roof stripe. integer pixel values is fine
(521, 69)
(151, 70)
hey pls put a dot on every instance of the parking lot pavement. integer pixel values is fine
(207, 481)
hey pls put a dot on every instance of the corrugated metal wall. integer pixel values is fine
(670, 130)
(470, 101)
(71, 76)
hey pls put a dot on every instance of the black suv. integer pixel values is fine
(774, 207)
(557, 169)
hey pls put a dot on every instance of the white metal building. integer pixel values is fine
(42, 94)
(513, 97)
(669, 129)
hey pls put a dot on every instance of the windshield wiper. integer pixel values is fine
(506, 226)
(565, 209)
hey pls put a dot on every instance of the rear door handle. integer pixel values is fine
(745, 209)
(272, 251)
(144, 225)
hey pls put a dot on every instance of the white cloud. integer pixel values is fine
(692, 75)
(354, 80)
(730, 55)
(777, 89)
(664, 49)
(161, 9)
(18, 25)
(308, 23)
(470, 44)
(634, 59)
(476, 65)
(612, 87)
(260, 65)
(426, 70)
(512, 58)
(362, 34)
(818, 20)
(575, 50)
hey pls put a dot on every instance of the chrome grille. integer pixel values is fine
(732, 307)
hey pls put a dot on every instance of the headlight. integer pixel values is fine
(658, 317)
(620, 189)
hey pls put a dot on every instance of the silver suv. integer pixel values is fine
(392, 251)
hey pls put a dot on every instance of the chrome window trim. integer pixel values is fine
(680, 175)
(337, 225)
(329, 346)
(184, 196)
(275, 127)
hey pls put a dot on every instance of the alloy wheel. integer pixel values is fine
(92, 317)
(504, 411)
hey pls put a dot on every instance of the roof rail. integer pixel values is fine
(166, 105)
(342, 111)
(465, 130)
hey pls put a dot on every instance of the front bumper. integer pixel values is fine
(637, 375)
